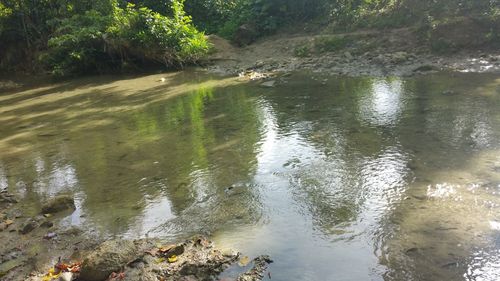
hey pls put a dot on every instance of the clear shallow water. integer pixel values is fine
(336, 178)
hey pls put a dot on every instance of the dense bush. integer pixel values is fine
(224, 17)
(396, 13)
(90, 36)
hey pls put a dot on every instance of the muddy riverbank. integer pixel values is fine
(37, 249)
(398, 52)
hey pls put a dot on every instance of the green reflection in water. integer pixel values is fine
(387, 174)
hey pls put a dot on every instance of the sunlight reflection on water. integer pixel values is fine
(388, 174)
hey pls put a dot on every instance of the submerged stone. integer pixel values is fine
(28, 226)
(58, 204)
(268, 84)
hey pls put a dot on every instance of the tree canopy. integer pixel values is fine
(75, 36)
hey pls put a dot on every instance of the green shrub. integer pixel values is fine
(331, 43)
(123, 38)
(441, 46)
(225, 16)
(302, 51)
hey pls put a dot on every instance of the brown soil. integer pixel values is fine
(367, 52)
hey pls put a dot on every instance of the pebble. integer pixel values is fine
(66, 276)
(28, 226)
(268, 84)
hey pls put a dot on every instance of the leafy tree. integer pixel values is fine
(75, 36)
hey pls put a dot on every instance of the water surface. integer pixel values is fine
(336, 178)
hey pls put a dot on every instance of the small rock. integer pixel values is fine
(28, 226)
(380, 59)
(7, 198)
(16, 213)
(450, 265)
(59, 203)
(175, 251)
(425, 68)
(109, 257)
(348, 55)
(188, 278)
(66, 276)
(50, 235)
(256, 273)
(419, 197)
(259, 64)
(203, 242)
(411, 251)
(268, 84)
(229, 253)
(47, 224)
(399, 57)
(449, 93)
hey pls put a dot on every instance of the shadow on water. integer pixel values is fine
(397, 176)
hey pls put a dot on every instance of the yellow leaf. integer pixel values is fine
(51, 276)
(172, 259)
(9, 222)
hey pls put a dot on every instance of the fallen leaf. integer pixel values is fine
(172, 259)
(75, 267)
(61, 267)
(51, 275)
(166, 248)
(244, 261)
(8, 222)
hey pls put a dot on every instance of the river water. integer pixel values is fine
(335, 178)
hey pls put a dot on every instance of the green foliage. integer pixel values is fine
(331, 43)
(396, 13)
(5, 13)
(224, 17)
(109, 35)
(302, 51)
(212, 15)
(442, 46)
(77, 44)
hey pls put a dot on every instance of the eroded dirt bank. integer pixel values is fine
(399, 52)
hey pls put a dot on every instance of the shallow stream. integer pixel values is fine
(335, 178)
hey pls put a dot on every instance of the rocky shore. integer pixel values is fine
(37, 249)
